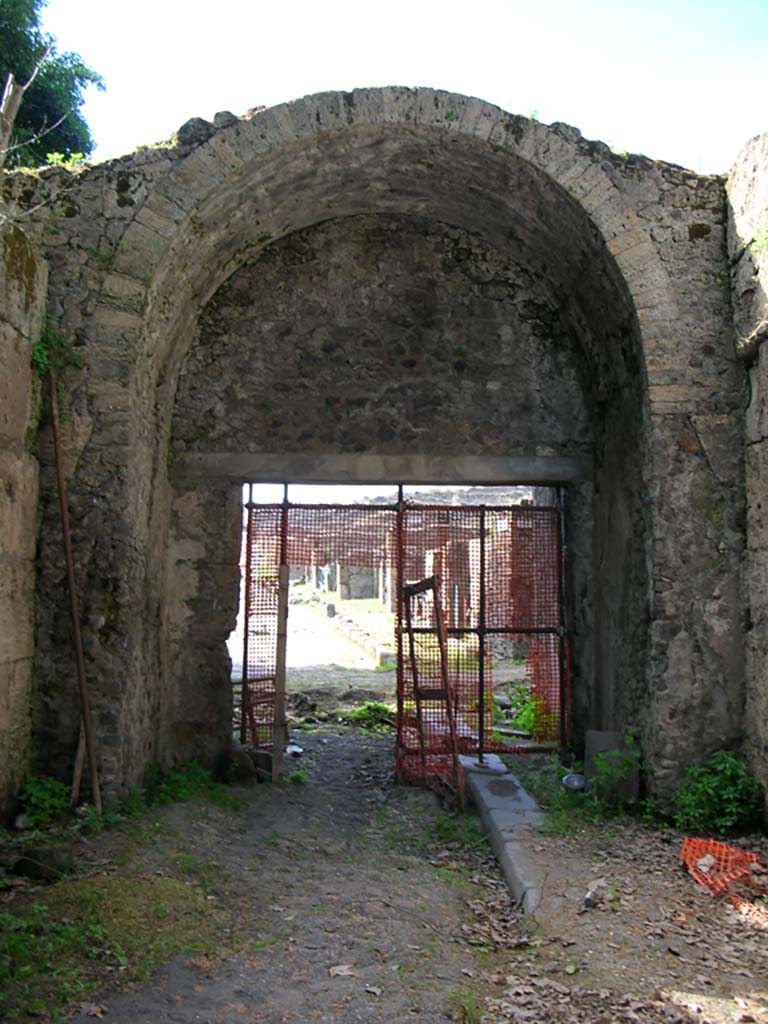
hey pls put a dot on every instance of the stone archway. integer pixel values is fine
(648, 352)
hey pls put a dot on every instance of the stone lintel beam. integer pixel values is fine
(309, 467)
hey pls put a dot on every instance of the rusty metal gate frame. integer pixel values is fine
(275, 537)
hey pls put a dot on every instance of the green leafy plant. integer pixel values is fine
(530, 713)
(720, 795)
(68, 161)
(611, 769)
(371, 716)
(43, 800)
(464, 1007)
(297, 777)
(568, 811)
(187, 782)
(53, 350)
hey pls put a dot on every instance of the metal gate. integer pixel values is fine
(499, 583)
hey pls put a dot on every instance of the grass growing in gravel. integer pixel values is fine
(54, 949)
(461, 831)
(45, 801)
(565, 812)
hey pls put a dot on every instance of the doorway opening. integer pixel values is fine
(475, 660)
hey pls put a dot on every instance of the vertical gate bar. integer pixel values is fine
(278, 726)
(415, 675)
(451, 702)
(562, 629)
(399, 569)
(481, 646)
(244, 694)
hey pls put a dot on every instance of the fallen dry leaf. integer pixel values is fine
(93, 1010)
(372, 990)
(342, 971)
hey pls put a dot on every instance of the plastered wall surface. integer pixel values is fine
(22, 296)
(748, 252)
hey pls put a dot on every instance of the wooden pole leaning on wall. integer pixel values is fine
(279, 730)
(76, 635)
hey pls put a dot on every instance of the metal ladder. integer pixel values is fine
(445, 693)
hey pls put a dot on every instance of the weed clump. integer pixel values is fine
(719, 796)
(43, 800)
(372, 716)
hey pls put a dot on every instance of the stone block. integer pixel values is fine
(757, 586)
(17, 581)
(15, 382)
(125, 292)
(18, 505)
(15, 728)
(23, 279)
(139, 252)
(720, 437)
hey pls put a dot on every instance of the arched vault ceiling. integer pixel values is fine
(457, 180)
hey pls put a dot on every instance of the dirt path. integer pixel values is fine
(347, 898)
(344, 872)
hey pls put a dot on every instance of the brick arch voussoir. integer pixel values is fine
(160, 247)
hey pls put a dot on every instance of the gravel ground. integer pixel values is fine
(352, 899)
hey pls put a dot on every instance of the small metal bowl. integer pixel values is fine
(574, 781)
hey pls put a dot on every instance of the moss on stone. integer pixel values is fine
(19, 262)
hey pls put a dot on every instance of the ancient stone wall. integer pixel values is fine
(22, 296)
(384, 333)
(617, 268)
(748, 251)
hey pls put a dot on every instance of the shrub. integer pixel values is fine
(720, 795)
(43, 800)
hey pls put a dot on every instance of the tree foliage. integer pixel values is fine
(49, 120)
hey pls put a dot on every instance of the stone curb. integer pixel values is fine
(508, 814)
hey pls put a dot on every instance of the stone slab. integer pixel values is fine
(368, 469)
(509, 814)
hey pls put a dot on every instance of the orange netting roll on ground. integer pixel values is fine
(738, 875)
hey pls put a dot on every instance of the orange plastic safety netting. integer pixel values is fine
(738, 875)
(500, 590)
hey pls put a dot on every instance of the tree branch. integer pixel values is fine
(13, 93)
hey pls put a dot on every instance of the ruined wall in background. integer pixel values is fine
(748, 252)
(23, 280)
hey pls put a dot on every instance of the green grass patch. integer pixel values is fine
(83, 933)
(372, 716)
(462, 830)
(565, 812)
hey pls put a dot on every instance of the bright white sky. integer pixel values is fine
(679, 80)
